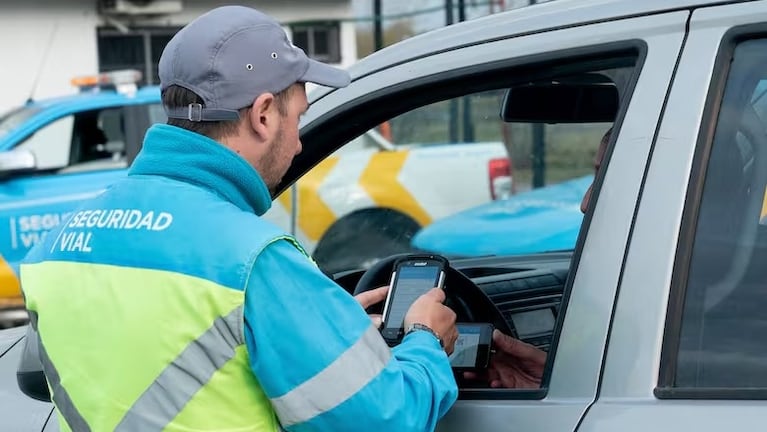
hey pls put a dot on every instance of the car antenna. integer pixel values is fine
(44, 59)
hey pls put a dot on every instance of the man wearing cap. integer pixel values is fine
(167, 303)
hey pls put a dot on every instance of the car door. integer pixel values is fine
(687, 349)
(575, 358)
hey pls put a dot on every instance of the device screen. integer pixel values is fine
(466, 347)
(472, 348)
(411, 282)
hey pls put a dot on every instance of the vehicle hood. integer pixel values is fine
(544, 219)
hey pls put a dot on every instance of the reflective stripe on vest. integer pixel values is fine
(60, 397)
(188, 373)
(140, 349)
(334, 385)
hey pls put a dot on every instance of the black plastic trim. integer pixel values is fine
(703, 393)
(502, 394)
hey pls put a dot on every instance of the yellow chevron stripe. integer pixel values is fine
(764, 205)
(9, 283)
(286, 199)
(380, 181)
(314, 216)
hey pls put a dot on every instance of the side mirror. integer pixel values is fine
(16, 161)
(29, 374)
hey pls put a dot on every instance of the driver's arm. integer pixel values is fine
(324, 366)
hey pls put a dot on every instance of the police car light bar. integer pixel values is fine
(125, 81)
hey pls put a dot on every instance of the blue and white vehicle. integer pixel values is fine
(540, 220)
(56, 152)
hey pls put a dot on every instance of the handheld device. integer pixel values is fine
(473, 346)
(413, 276)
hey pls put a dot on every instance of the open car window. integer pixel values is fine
(489, 170)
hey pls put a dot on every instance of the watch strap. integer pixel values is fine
(423, 327)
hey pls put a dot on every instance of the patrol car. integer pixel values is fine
(540, 220)
(655, 319)
(56, 152)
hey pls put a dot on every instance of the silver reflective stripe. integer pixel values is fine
(352, 371)
(61, 398)
(167, 396)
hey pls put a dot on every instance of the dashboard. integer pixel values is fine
(527, 289)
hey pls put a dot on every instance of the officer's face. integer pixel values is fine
(286, 143)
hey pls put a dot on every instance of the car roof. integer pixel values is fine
(143, 94)
(45, 110)
(517, 22)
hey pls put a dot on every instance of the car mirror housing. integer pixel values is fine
(16, 162)
(29, 374)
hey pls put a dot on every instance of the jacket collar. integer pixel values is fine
(182, 155)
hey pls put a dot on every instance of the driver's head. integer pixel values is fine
(597, 163)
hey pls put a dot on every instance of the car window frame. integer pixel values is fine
(666, 388)
(443, 85)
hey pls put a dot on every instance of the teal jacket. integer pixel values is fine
(311, 346)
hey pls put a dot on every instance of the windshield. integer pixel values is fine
(12, 119)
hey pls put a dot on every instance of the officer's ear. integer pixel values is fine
(264, 117)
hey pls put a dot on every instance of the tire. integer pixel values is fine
(360, 239)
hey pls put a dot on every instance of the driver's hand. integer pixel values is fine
(430, 311)
(369, 298)
(515, 364)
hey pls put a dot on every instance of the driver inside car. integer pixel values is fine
(516, 364)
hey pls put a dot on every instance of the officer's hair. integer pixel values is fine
(179, 97)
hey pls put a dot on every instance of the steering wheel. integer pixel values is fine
(463, 296)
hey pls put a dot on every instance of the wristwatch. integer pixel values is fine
(422, 327)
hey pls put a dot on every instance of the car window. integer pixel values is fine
(722, 343)
(453, 176)
(499, 168)
(84, 141)
(51, 144)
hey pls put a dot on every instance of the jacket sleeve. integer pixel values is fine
(324, 366)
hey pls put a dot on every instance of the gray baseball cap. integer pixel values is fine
(230, 56)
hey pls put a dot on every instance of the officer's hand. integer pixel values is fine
(429, 311)
(369, 298)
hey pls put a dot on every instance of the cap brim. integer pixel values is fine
(326, 75)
